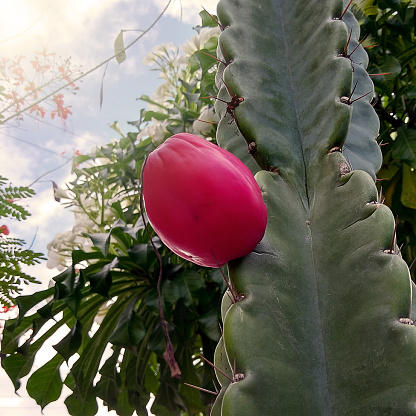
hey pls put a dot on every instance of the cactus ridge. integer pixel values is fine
(321, 329)
(290, 92)
(360, 147)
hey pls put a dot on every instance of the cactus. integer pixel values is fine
(323, 324)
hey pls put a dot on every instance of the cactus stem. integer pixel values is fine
(201, 389)
(169, 354)
(213, 18)
(231, 105)
(349, 164)
(237, 376)
(225, 55)
(344, 168)
(347, 55)
(345, 10)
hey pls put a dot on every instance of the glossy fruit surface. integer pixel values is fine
(202, 201)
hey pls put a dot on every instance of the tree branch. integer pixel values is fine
(88, 72)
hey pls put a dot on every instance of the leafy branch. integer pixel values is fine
(83, 75)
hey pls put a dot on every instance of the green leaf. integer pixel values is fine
(85, 369)
(45, 384)
(130, 329)
(408, 195)
(207, 19)
(119, 48)
(191, 97)
(79, 256)
(101, 241)
(389, 66)
(149, 100)
(170, 292)
(85, 405)
(404, 147)
(68, 287)
(189, 283)
(209, 324)
(148, 115)
(139, 254)
(70, 344)
(108, 386)
(16, 367)
(205, 62)
(369, 7)
(101, 281)
(25, 303)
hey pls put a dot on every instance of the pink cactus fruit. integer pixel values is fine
(202, 201)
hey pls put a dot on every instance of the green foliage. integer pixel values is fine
(13, 255)
(8, 208)
(109, 302)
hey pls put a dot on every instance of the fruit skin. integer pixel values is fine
(202, 201)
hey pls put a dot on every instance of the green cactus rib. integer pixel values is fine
(285, 64)
(361, 148)
(321, 327)
(318, 332)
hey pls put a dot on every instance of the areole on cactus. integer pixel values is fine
(202, 201)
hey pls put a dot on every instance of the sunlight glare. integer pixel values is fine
(19, 15)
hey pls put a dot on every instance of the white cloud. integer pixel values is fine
(8, 147)
(188, 10)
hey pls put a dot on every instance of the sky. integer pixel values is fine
(84, 31)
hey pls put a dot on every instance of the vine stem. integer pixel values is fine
(169, 354)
